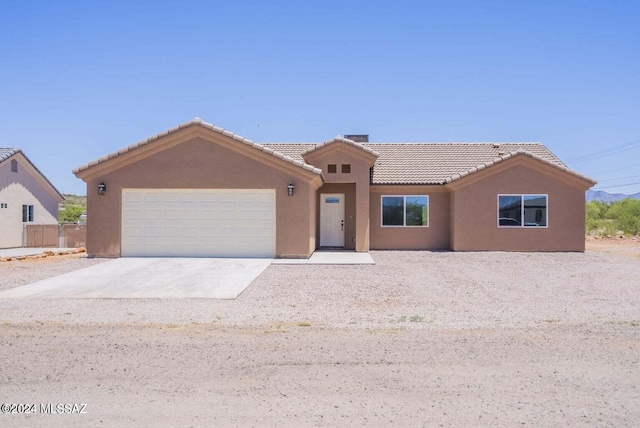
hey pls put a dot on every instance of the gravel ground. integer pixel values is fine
(437, 289)
(419, 339)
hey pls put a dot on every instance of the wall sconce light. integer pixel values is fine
(102, 188)
(290, 188)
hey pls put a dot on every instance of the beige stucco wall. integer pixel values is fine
(202, 164)
(474, 210)
(23, 188)
(433, 237)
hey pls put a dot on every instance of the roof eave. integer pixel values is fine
(510, 155)
(85, 171)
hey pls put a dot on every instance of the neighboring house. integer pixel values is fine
(199, 190)
(26, 197)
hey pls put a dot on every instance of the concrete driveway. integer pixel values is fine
(131, 278)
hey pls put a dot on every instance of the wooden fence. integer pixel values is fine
(55, 235)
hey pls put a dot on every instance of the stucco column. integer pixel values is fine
(362, 215)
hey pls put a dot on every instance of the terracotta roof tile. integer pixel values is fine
(339, 139)
(397, 163)
(435, 163)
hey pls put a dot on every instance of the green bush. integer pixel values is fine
(608, 219)
(70, 214)
(608, 227)
(626, 207)
(596, 209)
(628, 223)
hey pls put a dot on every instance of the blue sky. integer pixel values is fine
(80, 79)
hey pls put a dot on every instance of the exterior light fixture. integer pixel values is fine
(290, 188)
(102, 188)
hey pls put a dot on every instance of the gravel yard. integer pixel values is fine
(419, 339)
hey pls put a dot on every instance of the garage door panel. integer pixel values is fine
(209, 214)
(198, 223)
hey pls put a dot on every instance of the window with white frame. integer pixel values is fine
(522, 210)
(410, 210)
(27, 213)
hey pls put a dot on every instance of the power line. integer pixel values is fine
(617, 179)
(606, 152)
(620, 185)
(618, 169)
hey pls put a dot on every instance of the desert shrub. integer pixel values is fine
(593, 224)
(70, 214)
(608, 227)
(628, 223)
(624, 207)
(608, 219)
(596, 209)
(595, 212)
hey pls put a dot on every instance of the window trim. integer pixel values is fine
(404, 210)
(522, 196)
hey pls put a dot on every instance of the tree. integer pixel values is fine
(70, 214)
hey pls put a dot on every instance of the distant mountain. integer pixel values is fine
(602, 196)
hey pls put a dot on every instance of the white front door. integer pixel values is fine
(332, 220)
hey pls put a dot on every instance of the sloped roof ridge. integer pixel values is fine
(510, 155)
(339, 139)
(200, 122)
(6, 153)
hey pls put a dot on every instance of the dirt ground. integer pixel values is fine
(460, 339)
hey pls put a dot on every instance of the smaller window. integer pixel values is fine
(405, 210)
(3, 205)
(332, 168)
(346, 168)
(27, 213)
(14, 165)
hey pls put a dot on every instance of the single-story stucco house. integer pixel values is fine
(26, 197)
(200, 190)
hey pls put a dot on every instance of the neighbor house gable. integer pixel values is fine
(10, 154)
(196, 128)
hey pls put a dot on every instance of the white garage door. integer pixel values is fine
(198, 223)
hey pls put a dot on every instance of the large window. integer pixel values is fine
(27, 213)
(405, 211)
(522, 210)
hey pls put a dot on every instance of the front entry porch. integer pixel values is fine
(342, 217)
(330, 257)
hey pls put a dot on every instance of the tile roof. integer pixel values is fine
(436, 163)
(439, 163)
(6, 153)
(339, 139)
(298, 161)
(397, 163)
